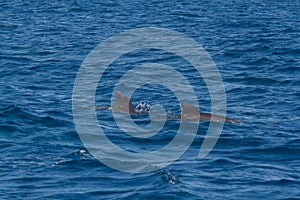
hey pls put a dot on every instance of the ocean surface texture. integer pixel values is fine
(256, 47)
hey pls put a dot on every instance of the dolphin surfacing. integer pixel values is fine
(189, 112)
(122, 104)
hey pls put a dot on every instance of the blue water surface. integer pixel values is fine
(254, 43)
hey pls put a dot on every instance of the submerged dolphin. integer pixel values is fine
(189, 112)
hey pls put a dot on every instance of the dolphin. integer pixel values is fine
(189, 112)
(123, 104)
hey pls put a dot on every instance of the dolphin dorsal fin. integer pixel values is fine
(190, 112)
(123, 103)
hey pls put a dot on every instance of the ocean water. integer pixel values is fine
(255, 45)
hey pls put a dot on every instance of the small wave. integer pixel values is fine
(168, 177)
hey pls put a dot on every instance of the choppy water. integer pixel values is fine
(255, 45)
